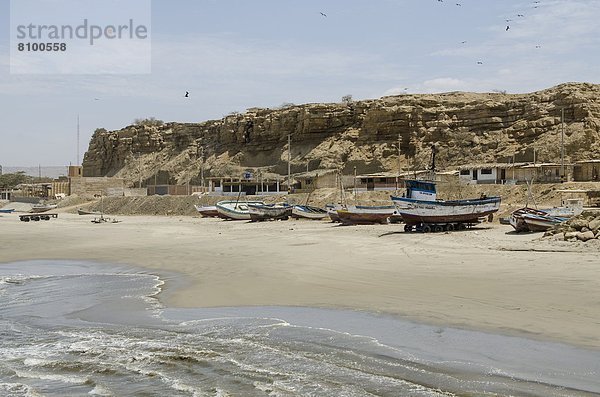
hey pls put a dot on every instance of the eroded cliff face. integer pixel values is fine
(465, 128)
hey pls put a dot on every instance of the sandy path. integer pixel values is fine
(485, 279)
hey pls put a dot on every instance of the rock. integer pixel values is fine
(559, 237)
(578, 223)
(585, 236)
(571, 235)
(470, 128)
(594, 225)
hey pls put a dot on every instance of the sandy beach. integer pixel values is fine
(484, 279)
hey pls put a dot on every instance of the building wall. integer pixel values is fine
(480, 178)
(97, 185)
(587, 172)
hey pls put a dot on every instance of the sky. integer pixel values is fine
(231, 55)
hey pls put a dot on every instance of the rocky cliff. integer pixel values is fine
(465, 128)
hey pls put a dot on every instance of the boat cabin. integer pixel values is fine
(420, 190)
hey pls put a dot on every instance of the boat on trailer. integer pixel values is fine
(38, 208)
(207, 211)
(308, 212)
(430, 214)
(264, 212)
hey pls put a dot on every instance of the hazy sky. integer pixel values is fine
(235, 54)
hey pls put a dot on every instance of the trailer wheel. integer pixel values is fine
(450, 227)
(462, 226)
(36, 218)
(438, 228)
(46, 218)
(24, 219)
(426, 229)
(408, 228)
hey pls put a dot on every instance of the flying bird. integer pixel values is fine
(538, 46)
(479, 63)
(187, 94)
(463, 42)
(458, 4)
(325, 15)
(520, 15)
(507, 27)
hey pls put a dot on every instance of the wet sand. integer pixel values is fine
(485, 279)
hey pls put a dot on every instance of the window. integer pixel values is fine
(486, 171)
(382, 180)
(465, 172)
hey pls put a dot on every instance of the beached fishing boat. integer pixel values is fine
(263, 212)
(84, 212)
(207, 211)
(364, 215)
(332, 211)
(534, 220)
(438, 215)
(235, 210)
(7, 211)
(308, 212)
(36, 209)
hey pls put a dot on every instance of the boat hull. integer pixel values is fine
(532, 220)
(267, 212)
(10, 211)
(307, 212)
(42, 208)
(83, 212)
(207, 211)
(232, 210)
(366, 215)
(416, 212)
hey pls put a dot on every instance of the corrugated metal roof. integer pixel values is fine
(490, 165)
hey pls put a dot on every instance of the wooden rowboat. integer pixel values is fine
(308, 212)
(263, 212)
(207, 211)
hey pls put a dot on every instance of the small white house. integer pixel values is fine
(497, 173)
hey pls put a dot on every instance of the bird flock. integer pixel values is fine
(535, 4)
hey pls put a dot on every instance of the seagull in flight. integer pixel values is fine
(463, 42)
(322, 13)
(479, 63)
(187, 94)
(507, 27)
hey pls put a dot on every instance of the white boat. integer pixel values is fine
(308, 212)
(430, 214)
(235, 210)
(36, 209)
(263, 212)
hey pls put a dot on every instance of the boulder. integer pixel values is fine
(571, 235)
(585, 236)
(594, 225)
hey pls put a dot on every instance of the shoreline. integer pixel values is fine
(483, 280)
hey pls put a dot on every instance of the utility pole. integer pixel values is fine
(562, 145)
(355, 183)
(289, 163)
(77, 162)
(202, 167)
(399, 163)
